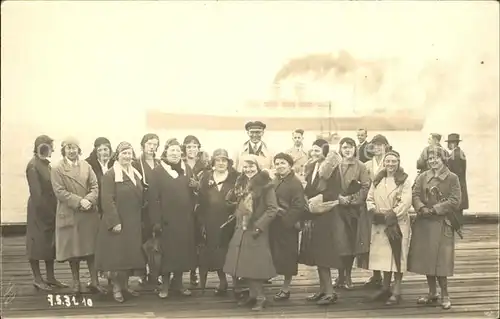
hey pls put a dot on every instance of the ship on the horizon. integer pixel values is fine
(287, 115)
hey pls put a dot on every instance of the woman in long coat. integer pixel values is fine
(41, 224)
(171, 207)
(284, 234)
(432, 245)
(77, 217)
(389, 200)
(212, 212)
(100, 161)
(380, 145)
(145, 165)
(249, 255)
(353, 223)
(192, 158)
(322, 179)
(119, 243)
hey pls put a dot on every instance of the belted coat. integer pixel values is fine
(76, 229)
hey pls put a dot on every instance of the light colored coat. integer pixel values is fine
(265, 158)
(299, 160)
(76, 229)
(384, 197)
(372, 168)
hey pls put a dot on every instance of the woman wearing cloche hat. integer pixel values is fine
(211, 213)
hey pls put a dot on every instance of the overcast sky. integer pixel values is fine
(109, 56)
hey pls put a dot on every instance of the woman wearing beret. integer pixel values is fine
(77, 218)
(212, 212)
(41, 223)
(145, 165)
(436, 199)
(119, 248)
(322, 250)
(389, 200)
(171, 208)
(284, 233)
(353, 229)
(249, 255)
(100, 161)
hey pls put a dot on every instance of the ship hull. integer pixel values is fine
(173, 121)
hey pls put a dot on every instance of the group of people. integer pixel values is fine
(238, 219)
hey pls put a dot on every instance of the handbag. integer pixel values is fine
(317, 206)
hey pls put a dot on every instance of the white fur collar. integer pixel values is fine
(170, 171)
(118, 169)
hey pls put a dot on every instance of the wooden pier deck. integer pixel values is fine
(474, 291)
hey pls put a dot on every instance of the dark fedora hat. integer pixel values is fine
(453, 137)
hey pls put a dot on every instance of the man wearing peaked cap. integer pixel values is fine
(457, 163)
(255, 146)
(255, 125)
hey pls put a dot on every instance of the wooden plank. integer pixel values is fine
(473, 288)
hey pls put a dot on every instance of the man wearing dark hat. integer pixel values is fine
(434, 140)
(297, 152)
(255, 146)
(457, 163)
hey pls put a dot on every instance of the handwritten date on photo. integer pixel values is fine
(68, 301)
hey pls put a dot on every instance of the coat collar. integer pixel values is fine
(172, 172)
(264, 149)
(68, 166)
(441, 174)
(118, 169)
(295, 150)
(43, 161)
(349, 161)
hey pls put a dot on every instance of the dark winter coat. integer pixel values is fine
(96, 167)
(212, 212)
(121, 204)
(147, 174)
(432, 243)
(171, 207)
(42, 205)
(284, 237)
(457, 163)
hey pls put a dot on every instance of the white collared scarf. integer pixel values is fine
(131, 173)
(172, 172)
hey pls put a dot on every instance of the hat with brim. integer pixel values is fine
(220, 153)
(454, 137)
(379, 139)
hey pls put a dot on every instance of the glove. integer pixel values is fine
(281, 212)
(424, 211)
(256, 233)
(378, 218)
(344, 200)
(391, 219)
